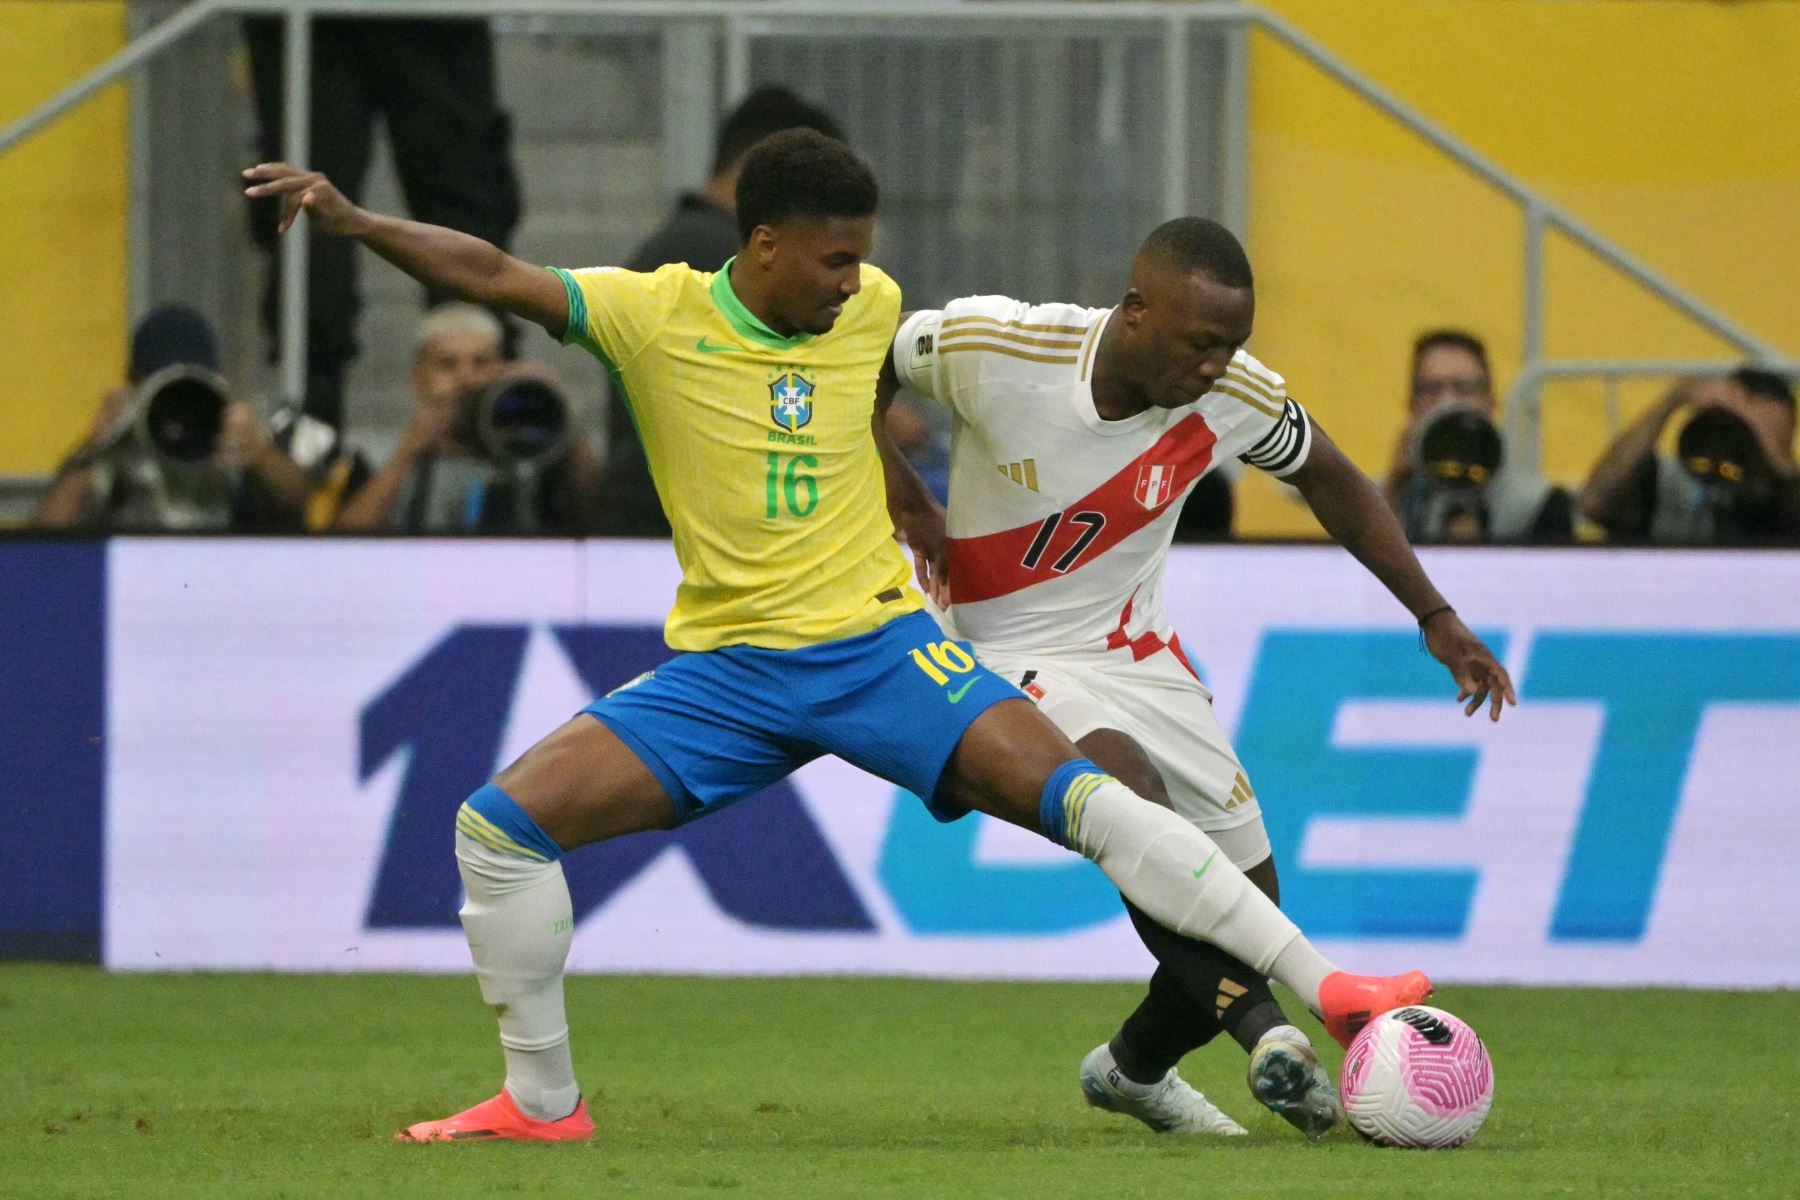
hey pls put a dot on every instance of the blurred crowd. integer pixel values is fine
(497, 445)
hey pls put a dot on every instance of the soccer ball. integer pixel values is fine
(1417, 1077)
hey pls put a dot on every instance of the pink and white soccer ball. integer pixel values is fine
(1417, 1077)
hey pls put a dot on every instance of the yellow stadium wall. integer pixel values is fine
(63, 197)
(1669, 127)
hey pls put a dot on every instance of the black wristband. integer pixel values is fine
(1434, 612)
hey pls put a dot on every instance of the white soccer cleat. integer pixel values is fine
(1167, 1106)
(1287, 1077)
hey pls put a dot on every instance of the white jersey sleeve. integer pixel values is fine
(916, 361)
(956, 354)
(1270, 430)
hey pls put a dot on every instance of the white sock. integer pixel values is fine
(1179, 876)
(1303, 969)
(1287, 1033)
(1108, 1066)
(519, 923)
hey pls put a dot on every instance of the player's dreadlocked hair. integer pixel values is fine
(802, 173)
(1196, 244)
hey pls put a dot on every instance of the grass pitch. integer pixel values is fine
(291, 1086)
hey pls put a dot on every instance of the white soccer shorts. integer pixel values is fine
(1167, 711)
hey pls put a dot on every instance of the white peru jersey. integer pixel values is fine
(1060, 521)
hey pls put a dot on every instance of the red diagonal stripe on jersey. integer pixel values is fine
(993, 564)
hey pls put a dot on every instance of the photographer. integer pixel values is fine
(171, 450)
(1733, 477)
(491, 448)
(1449, 480)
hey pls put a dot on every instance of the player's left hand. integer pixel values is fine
(1480, 679)
(927, 534)
(934, 577)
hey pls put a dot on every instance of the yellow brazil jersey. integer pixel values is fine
(760, 449)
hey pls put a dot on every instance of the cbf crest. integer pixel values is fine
(790, 401)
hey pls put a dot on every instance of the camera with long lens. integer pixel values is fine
(523, 425)
(1455, 454)
(1720, 453)
(521, 422)
(176, 417)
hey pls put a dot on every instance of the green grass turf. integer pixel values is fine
(255, 1085)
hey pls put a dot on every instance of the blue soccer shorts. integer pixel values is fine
(717, 725)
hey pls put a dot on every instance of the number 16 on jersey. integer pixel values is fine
(800, 490)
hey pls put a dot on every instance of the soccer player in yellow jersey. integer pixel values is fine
(799, 631)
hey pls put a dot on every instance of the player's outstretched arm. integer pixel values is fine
(463, 266)
(916, 514)
(1352, 510)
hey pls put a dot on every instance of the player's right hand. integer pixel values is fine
(429, 431)
(332, 212)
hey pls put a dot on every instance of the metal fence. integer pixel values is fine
(1022, 144)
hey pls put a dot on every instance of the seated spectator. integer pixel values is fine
(1449, 480)
(702, 232)
(1733, 477)
(171, 450)
(491, 447)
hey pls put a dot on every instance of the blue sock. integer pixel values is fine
(494, 819)
(1065, 792)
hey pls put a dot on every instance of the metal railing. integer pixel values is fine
(737, 23)
(1610, 371)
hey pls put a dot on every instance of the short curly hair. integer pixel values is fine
(1198, 245)
(802, 173)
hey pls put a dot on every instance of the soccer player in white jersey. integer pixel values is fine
(1077, 434)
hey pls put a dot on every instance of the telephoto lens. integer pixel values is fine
(1455, 453)
(1717, 446)
(1460, 446)
(178, 414)
(523, 421)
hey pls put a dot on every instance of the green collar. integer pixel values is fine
(742, 319)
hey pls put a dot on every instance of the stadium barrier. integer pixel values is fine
(246, 754)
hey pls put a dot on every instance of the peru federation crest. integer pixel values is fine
(1155, 484)
(790, 401)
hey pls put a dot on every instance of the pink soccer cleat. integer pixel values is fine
(1352, 1001)
(499, 1119)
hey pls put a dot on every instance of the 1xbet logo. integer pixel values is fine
(767, 863)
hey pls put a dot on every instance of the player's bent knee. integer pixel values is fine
(1003, 761)
(1119, 755)
(583, 784)
(492, 819)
